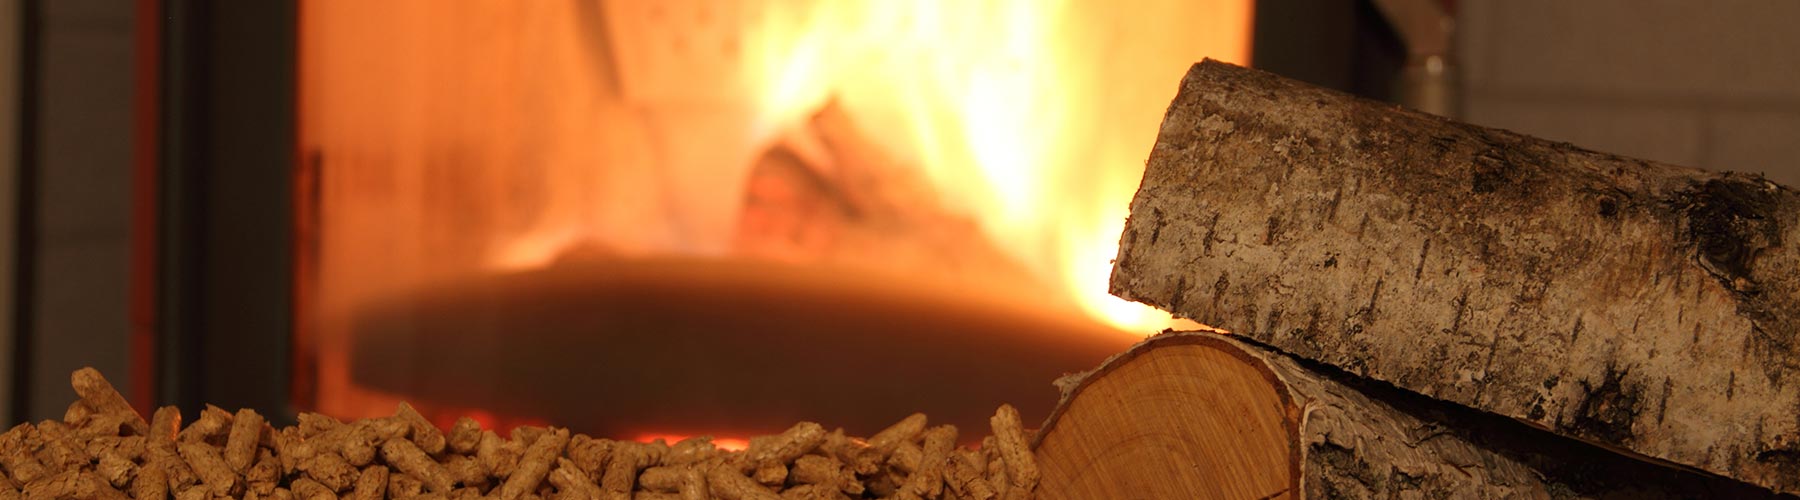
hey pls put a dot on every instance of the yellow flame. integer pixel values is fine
(1034, 116)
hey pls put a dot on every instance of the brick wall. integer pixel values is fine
(1714, 84)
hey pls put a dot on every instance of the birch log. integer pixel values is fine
(1646, 307)
(1199, 415)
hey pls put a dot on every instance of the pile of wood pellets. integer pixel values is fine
(104, 449)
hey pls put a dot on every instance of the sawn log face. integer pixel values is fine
(1189, 415)
(1643, 306)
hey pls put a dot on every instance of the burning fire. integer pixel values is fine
(1031, 117)
(728, 444)
(451, 142)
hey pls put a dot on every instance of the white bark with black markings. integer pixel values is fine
(1646, 307)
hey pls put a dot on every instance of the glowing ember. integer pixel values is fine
(727, 444)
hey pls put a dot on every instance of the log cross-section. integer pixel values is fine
(1199, 415)
(1646, 307)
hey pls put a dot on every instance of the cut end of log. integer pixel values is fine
(1201, 415)
(1192, 418)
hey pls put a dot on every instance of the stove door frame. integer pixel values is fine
(222, 282)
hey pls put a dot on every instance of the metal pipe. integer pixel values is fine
(1429, 81)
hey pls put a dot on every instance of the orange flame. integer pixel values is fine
(727, 444)
(499, 135)
(1034, 117)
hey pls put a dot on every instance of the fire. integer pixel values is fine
(727, 444)
(452, 142)
(1032, 117)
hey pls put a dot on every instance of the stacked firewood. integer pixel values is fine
(1426, 308)
(104, 449)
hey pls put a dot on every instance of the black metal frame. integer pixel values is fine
(1347, 46)
(25, 213)
(225, 233)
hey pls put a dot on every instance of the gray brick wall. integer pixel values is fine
(1713, 84)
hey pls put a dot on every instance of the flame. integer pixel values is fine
(727, 444)
(503, 135)
(1032, 116)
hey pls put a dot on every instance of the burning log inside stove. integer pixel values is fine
(852, 295)
(103, 449)
(1644, 308)
(829, 195)
(688, 346)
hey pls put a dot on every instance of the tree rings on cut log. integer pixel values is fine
(1200, 415)
(1194, 419)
